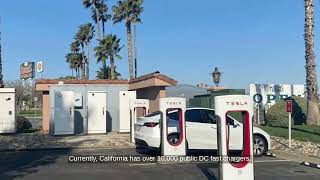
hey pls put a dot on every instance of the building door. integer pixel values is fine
(63, 113)
(97, 118)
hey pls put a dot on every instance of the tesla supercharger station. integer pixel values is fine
(168, 148)
(134, 104)
(243, 168)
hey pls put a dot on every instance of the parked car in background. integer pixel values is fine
(201, 131)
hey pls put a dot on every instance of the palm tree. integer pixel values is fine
(109, 48)
(123, 11)
(313, 116)
(74, 60)
(113, 51)
(74, 47)
(101, 55)
(105, 73)
(94, 4)
(137, 10)
(83, 38)
(103, 15)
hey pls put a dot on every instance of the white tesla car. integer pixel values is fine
(201, 131)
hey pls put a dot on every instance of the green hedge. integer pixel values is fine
(277, 115)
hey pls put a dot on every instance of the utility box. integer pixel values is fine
(124, 109)
(84, 108)
(7, 110)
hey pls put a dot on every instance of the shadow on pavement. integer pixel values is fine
(18, 164)
(205, 169)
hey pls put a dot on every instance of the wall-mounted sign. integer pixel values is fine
(289, 106)
(40, 67)
(265, 95)
(27, 70)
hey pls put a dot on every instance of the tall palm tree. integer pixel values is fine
(123, 11)
(109, 48)
(74, 60)
(137, 10)
(101, 55)
(313, 116)
(94, 5)
(74, 46)
(84, 37)
(113, 51)
(103, 15)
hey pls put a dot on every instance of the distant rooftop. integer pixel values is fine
(43, 84)
(75, 81)
(154, 79)
(154, 75)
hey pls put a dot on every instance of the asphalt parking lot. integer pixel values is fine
(53, 164)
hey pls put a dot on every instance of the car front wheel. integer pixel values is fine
(259, 145)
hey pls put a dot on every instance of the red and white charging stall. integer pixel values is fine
(179, 147)
(134, 104)
(228, 169)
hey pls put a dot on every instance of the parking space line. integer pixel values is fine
(275, 160)
(146, 164)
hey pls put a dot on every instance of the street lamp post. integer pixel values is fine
(216, 75)
(1, 76)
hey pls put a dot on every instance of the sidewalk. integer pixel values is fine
(295, 157)
(26, 141)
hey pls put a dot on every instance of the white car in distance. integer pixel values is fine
(201, 131)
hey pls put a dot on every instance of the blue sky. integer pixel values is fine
(250, 41)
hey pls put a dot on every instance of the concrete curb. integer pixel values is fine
(313, 165)
(65, 148)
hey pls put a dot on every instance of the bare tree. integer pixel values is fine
(25, 91)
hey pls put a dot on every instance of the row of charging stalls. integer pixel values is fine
(229, 169)
(8, 122)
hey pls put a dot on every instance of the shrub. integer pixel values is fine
(278, 116)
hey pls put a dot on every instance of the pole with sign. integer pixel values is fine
(40, 68)
(289, 110)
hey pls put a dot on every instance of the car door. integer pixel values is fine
(194, 129)
(209, 131)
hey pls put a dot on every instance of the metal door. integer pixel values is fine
(63, 113)
(97, 121)
(7, 113)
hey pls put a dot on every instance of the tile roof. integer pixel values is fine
(154, 75)
(75, 81)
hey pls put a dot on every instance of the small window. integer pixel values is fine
(194, 115)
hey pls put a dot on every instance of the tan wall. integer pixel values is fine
(153, 94)
(46, 111)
